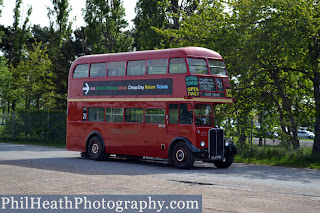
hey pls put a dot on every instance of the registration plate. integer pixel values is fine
(217, 157)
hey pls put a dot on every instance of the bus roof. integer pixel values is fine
(150, 54)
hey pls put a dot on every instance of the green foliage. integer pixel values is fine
(149, 14)
(271, 40)
(60, 27)
(1, 32)
(34, 79)
(20, 34)
(35, 126)
(105, 26)
(6, 83)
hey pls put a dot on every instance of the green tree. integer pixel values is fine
(39, 34)
(60, 49)
(1, 33)
(34, 81)
(15, 37)
(60, 26)
(20, 34)
(105, 26)
(60, 68)
(263, 36)
(6, 82)
(149, 14)
(203, 25)
(281, 39)
(17, 43)
(79, 44)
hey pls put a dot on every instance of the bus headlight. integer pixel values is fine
(202, 143)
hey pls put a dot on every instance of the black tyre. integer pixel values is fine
(224, 163)
(96, 149)
(181, 156)
(84, 155)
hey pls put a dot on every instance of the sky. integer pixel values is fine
(39, 11)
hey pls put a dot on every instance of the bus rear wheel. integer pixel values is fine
(182, 157)
(96, 149)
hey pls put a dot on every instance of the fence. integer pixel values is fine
(34, 126)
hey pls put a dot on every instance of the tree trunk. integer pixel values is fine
(316, 144)
(175, 10)
(261, 127)
(315, 55)
(287, 107)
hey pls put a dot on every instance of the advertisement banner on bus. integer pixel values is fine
(129, 87)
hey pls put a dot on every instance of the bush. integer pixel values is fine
(36, 126)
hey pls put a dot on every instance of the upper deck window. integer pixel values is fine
(98, 70)
(81, 71)
(197, 65)
(117, 68)
(136, 67)
(177, 65)
(217, 67)
(157, 66)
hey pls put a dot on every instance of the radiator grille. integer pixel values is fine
(216, 146)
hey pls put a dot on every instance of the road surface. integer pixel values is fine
(37, 170)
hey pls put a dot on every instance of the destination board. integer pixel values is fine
(207, 84)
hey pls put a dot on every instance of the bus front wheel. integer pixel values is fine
(182, 157)
(96, 149)
(225, 163)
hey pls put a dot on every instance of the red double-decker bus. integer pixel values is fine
(156, 103)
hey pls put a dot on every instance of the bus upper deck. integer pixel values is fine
(185, 73)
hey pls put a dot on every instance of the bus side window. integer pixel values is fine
(217, 67)
(134, 115)
(96, 114)
(116, 68)
(177, 65)
(173, 113)
(114, 114)
(157, 66)
(98, 70)
(197, 65)
(155, 116)
(136, 67)
(185, 114)
(81, 71)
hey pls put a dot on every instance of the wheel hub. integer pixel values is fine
(180, 155)
(95, 148)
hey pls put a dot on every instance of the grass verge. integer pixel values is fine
(279, 156)
(35, 142)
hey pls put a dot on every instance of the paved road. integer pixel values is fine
(28, 169)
